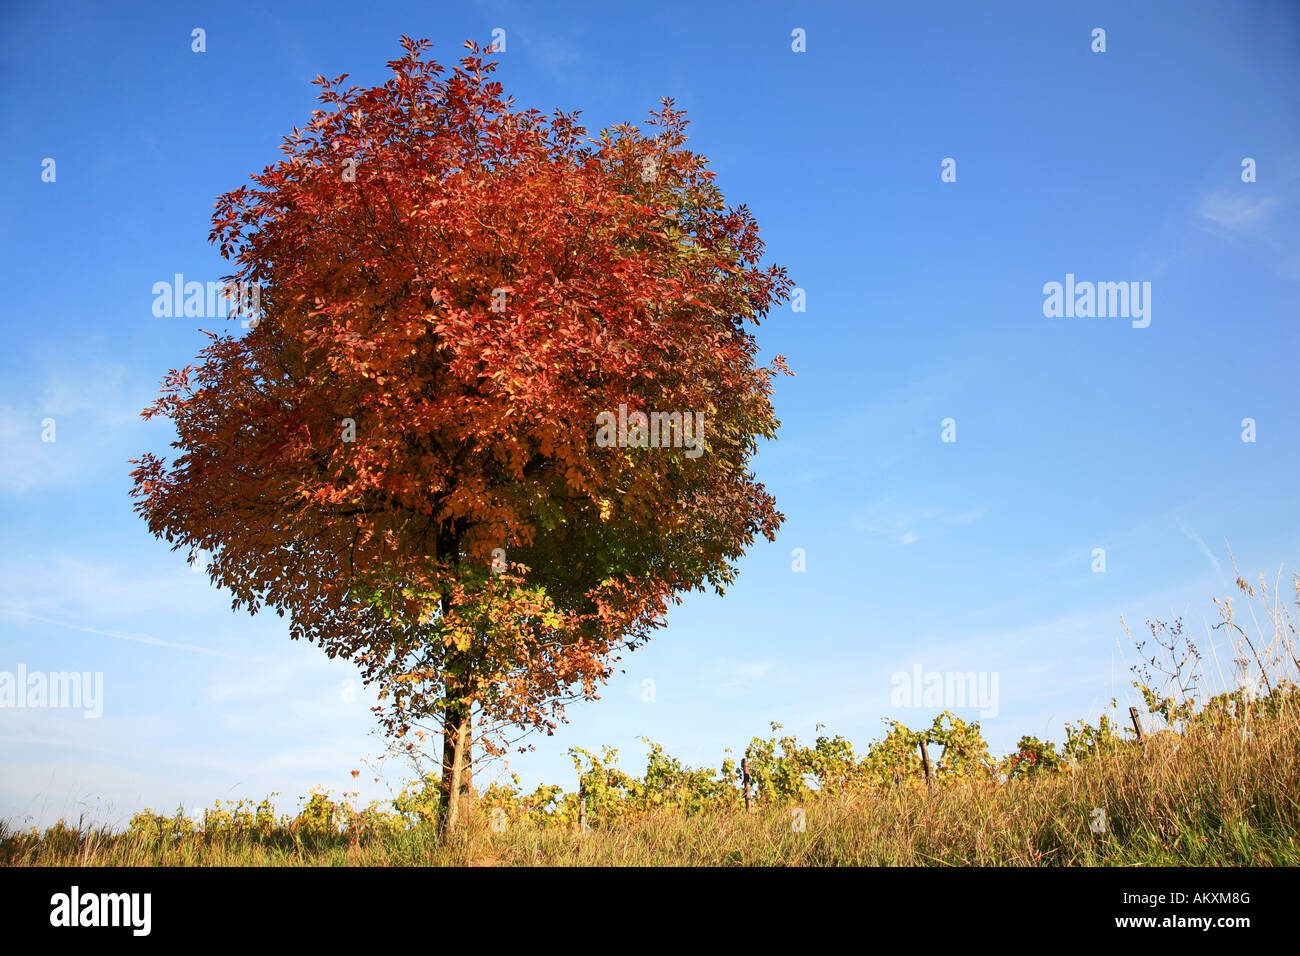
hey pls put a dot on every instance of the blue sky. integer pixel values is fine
(924, 302)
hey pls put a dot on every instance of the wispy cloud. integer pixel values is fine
(116, 635)
(1258, 216)
(732, 674)
(906, 524)
(1200, 543)
(1235, 212)
(557, 53)
(66, 425)
(66, 586)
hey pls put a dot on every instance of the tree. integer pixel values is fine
(410, 452)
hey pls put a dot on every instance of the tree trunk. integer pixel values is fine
(457, 751)
(457, 772)
(453, 761)
(457, 737)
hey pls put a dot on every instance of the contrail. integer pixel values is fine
(137, 638)
(1204, 550)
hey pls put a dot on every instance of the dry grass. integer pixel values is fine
(1224, 793)
(1213, 798)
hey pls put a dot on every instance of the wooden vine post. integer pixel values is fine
(1137, 723)
(925, 762)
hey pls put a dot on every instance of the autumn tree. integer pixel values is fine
(403, 453)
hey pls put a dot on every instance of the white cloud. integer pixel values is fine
(906, 524)
(90, 404)
(73, 588)
(1233, 211)
(729, 674)
(1263, 222)
(99, 387)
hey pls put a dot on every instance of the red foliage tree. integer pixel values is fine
(401, 454)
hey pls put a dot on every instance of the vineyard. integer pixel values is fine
(1223, 792)
(1189, 782)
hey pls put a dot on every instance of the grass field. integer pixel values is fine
(1218, 784)
(1204, 799)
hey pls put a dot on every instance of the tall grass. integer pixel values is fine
(1219, 786)
(1205, 799)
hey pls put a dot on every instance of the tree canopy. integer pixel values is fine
(401, 454)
